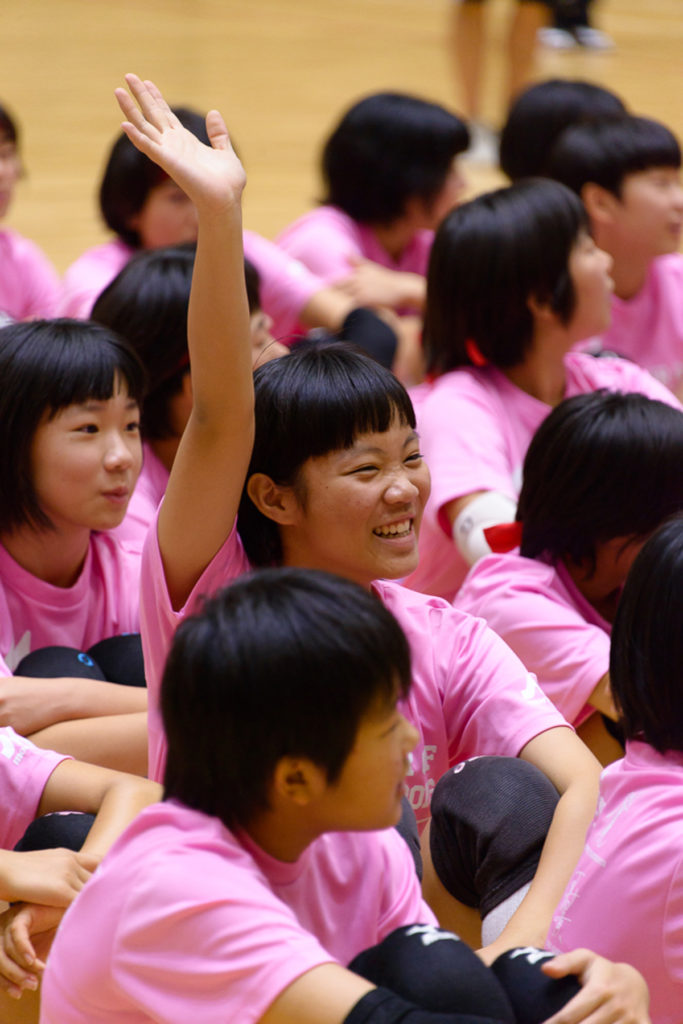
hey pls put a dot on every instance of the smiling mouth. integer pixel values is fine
(401, 529)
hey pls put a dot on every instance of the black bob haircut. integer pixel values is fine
(389, 148)
(604, 152)
(46, 365)
(647, 643)
(285, 662)
(147, 304)
(129, 177)
(489, 257)
(541, 113)
(315, 401)
(600, 466)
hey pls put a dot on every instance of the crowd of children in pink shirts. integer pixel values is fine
(294, 722)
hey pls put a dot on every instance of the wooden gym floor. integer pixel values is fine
(280, 71)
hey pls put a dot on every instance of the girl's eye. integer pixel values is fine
(88, 428)
(133, 426)
(414, 458)
(365, 469)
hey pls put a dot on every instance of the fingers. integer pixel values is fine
(574, 962)
(217, 131)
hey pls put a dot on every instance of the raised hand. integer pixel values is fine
(210, 175)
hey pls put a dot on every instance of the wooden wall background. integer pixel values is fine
(280, 71)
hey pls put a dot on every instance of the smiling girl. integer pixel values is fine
(70, 454)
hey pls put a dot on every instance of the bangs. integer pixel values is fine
(320, 399)
(81, 361)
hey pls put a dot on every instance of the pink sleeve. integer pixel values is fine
(24, 771)
(568, 655)
(286, 284)
(492, 703)
(180, 954)
(326, 240)
(672, 928)
(462, 434)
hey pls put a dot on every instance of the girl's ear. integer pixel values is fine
(541, 311)
(275, 501)
(298, 780)
(600, 204)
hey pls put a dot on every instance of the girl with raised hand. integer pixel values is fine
(336, 482)
(515, 282)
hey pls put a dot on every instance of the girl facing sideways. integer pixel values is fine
(70, 454)
(625, 897)
(601, 473)
(29, 285)
(328, 473)
(515, 281)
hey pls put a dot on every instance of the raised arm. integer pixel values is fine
(208, 473)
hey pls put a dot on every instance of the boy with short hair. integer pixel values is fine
(627, 171)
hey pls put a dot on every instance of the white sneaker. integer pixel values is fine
(556, 39)
(484, 145)
(593, 38)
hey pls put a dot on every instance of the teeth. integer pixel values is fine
(394, 529)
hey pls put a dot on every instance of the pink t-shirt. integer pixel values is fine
(649, 327)
(475, 427)
(539, 612)
(29, 284)
(90, 274)
(625, 898)
(24, 771)
(470, 695)
(185, 921)
(103, 602)
(327, 240)
(286, 285)
(146, 498)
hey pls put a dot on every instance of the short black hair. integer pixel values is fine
(601, 465)
(46, 365)
(284, 662)
(129, 177)
(541, 113)
(605, 151)
(386, 149)
(489, 257)
(647, 643)
(147, 304)
(315, 401)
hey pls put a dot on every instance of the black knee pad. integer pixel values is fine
(52, 830)
(435, 970)
(120, 658)
(533, 995)
(490, 817)
(52, 662)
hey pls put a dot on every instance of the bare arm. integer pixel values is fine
(601, 698)
(29, 704)
(210, 466)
